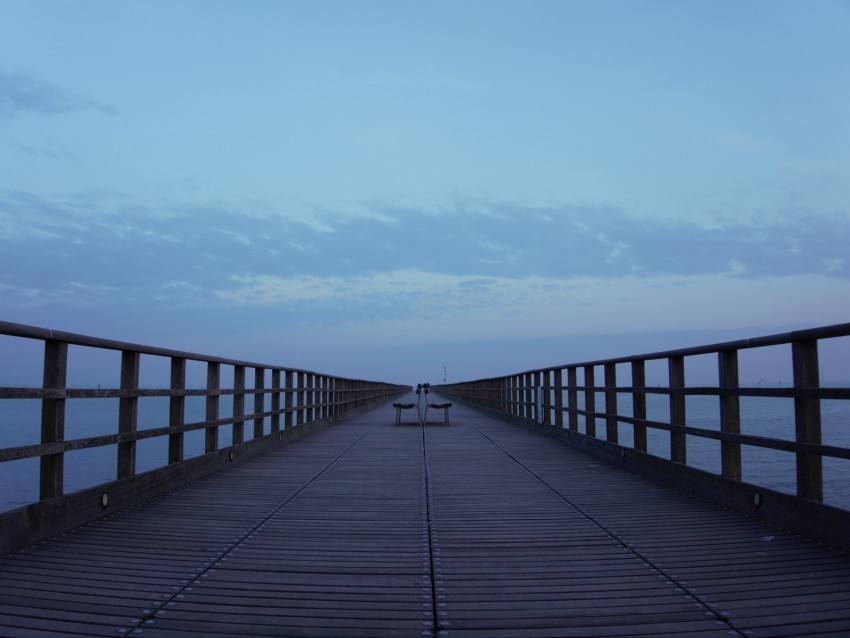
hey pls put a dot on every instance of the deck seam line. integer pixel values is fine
(718, 617)
(437, 626)
(149, 618)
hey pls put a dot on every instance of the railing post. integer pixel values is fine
(676, 368)
(730, 414)
(128, 409)
(546, 389)
(533, 396)
(275, 423)
(611, 425)
(212, 405)
(639, 403)
(238, 404)
(288, 399)
(517, 396)
(299, 398)
(807, 418)
(572, 398)
(589, 401)
(559, 398)
(53, 418)
(176, 409)
(259, 400)
(310, 398)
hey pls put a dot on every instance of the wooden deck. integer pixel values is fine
(474, 529)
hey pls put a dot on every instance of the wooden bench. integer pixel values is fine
(444, 407)
(399, 407)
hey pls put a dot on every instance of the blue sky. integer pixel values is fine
(381, 189)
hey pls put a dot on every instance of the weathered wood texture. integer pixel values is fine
(478, 528)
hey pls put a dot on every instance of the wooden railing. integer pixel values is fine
(284, 403)
(570, 401)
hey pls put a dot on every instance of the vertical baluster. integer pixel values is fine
(310, 398)
(808, 419)
(343, 386)
(212, 406)
(730, 414)
(275, 424)
(176, 409)
(676, 368)
(639, 402)
(546, 389)
(589, 401)
(559, 398)
(288, 399)
(299, 398)
(238, 404)
(51, 480)
(572, 398)
(128, 409)
(259, 401)
(612, 426)
(533, 400)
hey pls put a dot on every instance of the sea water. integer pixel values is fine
(769, 417)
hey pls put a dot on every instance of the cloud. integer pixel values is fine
(543, 304)
(835, 264)
(741, 142)
(43, 152)
(541, 307)
(501, 258)
(22, 94)
(14, 294)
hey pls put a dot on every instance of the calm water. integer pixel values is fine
(771, 417)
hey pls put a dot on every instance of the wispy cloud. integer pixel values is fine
(835, 264)
(502, 258)
(23, 94)
(44, 152)
(742, 142)
(457, 309)
(15, 294)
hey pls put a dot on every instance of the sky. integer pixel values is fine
(400, 190)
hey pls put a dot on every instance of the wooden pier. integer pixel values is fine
(477, 528)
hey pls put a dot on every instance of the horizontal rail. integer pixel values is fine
(565, 397)
(825, 332)
(70, 338)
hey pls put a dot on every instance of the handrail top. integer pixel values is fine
(823, 332)
(47, 334)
